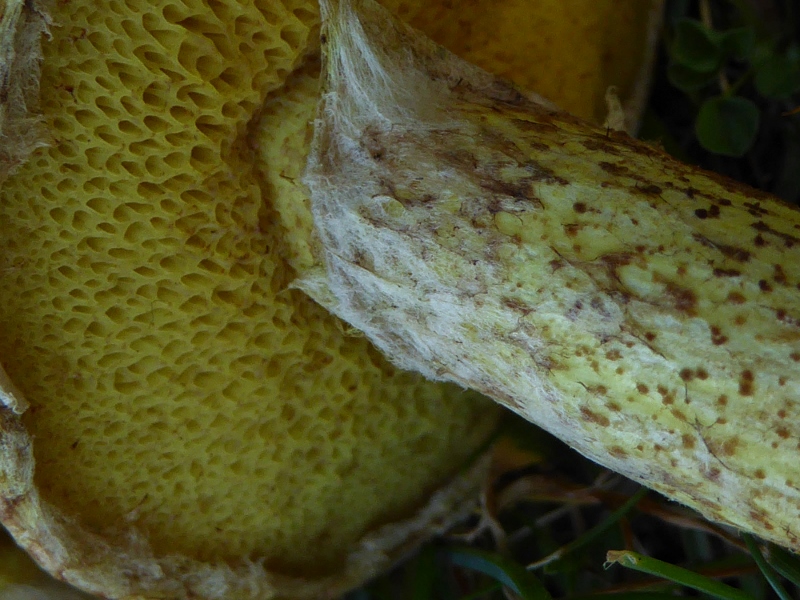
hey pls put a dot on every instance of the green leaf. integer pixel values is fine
(679, 575)
(697, 47)
(739, 43)
(511, 574)
(777, 76)
(689, 80)
(727, 126)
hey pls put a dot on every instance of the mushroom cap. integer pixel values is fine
(197, 428)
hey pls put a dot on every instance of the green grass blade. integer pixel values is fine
(424, 574)
(785, 563)
(685, 577)
(627, 596)
(769, 573)
(506, 571)
(594, 533)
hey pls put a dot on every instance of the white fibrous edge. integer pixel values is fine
(120, 564)
(22, 24)
(405, 131)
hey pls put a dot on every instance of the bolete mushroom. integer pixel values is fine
(200, 429)
(642, 310)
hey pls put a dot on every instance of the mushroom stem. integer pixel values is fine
(642, 310)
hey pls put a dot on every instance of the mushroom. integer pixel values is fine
(642, 310)
(199, 427)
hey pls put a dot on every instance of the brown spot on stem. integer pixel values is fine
(779, 275)
(737, 254)
(746, 383)
(683, 299)
(617, 452)
(729, 446)
(736, 298)
(717, 338)
(590, 415)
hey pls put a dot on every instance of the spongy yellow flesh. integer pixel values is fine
(176, 384)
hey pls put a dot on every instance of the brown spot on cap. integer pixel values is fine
(713, 211)
(687, 374)
(795, 356)
(701, 213)
(782, 432)
(649, 336)
(579, 207)
(722, 400)
(759, 241)
(613, 355)
(702, 373)
(727, 272)
(713, 474)
(642, 388)
(764, 285)
(687, 441)
(759, 473)
(590, 415)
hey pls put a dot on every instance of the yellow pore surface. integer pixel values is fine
(176, 383)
